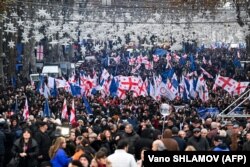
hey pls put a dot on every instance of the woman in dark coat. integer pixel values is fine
(26, 149)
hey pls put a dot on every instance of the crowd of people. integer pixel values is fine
(120, 130)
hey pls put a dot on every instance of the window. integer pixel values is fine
(106, 2)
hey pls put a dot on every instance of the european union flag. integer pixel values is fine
(75, 89)
(54, 92)
(87, 106)
(113, 87)
(167, 74)
(46, 112)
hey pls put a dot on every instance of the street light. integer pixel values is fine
(165, 111)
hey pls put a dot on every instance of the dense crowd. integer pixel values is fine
(119, 131)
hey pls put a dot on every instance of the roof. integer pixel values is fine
(50, 69)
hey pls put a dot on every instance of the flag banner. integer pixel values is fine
(87, 106)
(208, 112)
(39, 52)
(65, 110)
(226, 83)
(72, 113)
(46, 112)
(240, 87)
(26, 110)
(54, 91)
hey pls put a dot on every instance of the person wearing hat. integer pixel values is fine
(219, 144)
(43, 141)
(246, 145)
(199, 143)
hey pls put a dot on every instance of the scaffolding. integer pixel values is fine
(231, 114)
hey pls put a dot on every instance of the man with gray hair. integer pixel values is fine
(213, 132)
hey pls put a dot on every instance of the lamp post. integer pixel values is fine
(165, 111)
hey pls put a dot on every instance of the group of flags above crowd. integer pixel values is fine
(167, 84)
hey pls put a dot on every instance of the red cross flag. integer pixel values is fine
(129, 83)
(121, 93)
(39, 52)
(226, 83)
(240, 87)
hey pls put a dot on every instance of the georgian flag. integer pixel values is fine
(39, 52)
(64, 110)
(73, 113)
(240, 87)
(26, 110)
(121, 93)
(226, 83)
(129, 82)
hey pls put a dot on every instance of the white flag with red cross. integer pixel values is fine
(226, 83)
(129, 82)
(39, 52)
(240, 87)
(121, 93)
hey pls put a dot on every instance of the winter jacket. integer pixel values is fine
(199, 143)
(44, 143)
(246, 146)
(132, 138)
(32, 151)
(60, 159)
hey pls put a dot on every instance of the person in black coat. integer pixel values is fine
(181, 142)
(43, 141)
(145, 141)
(26, 149)
(246, 145)
(199, 143)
